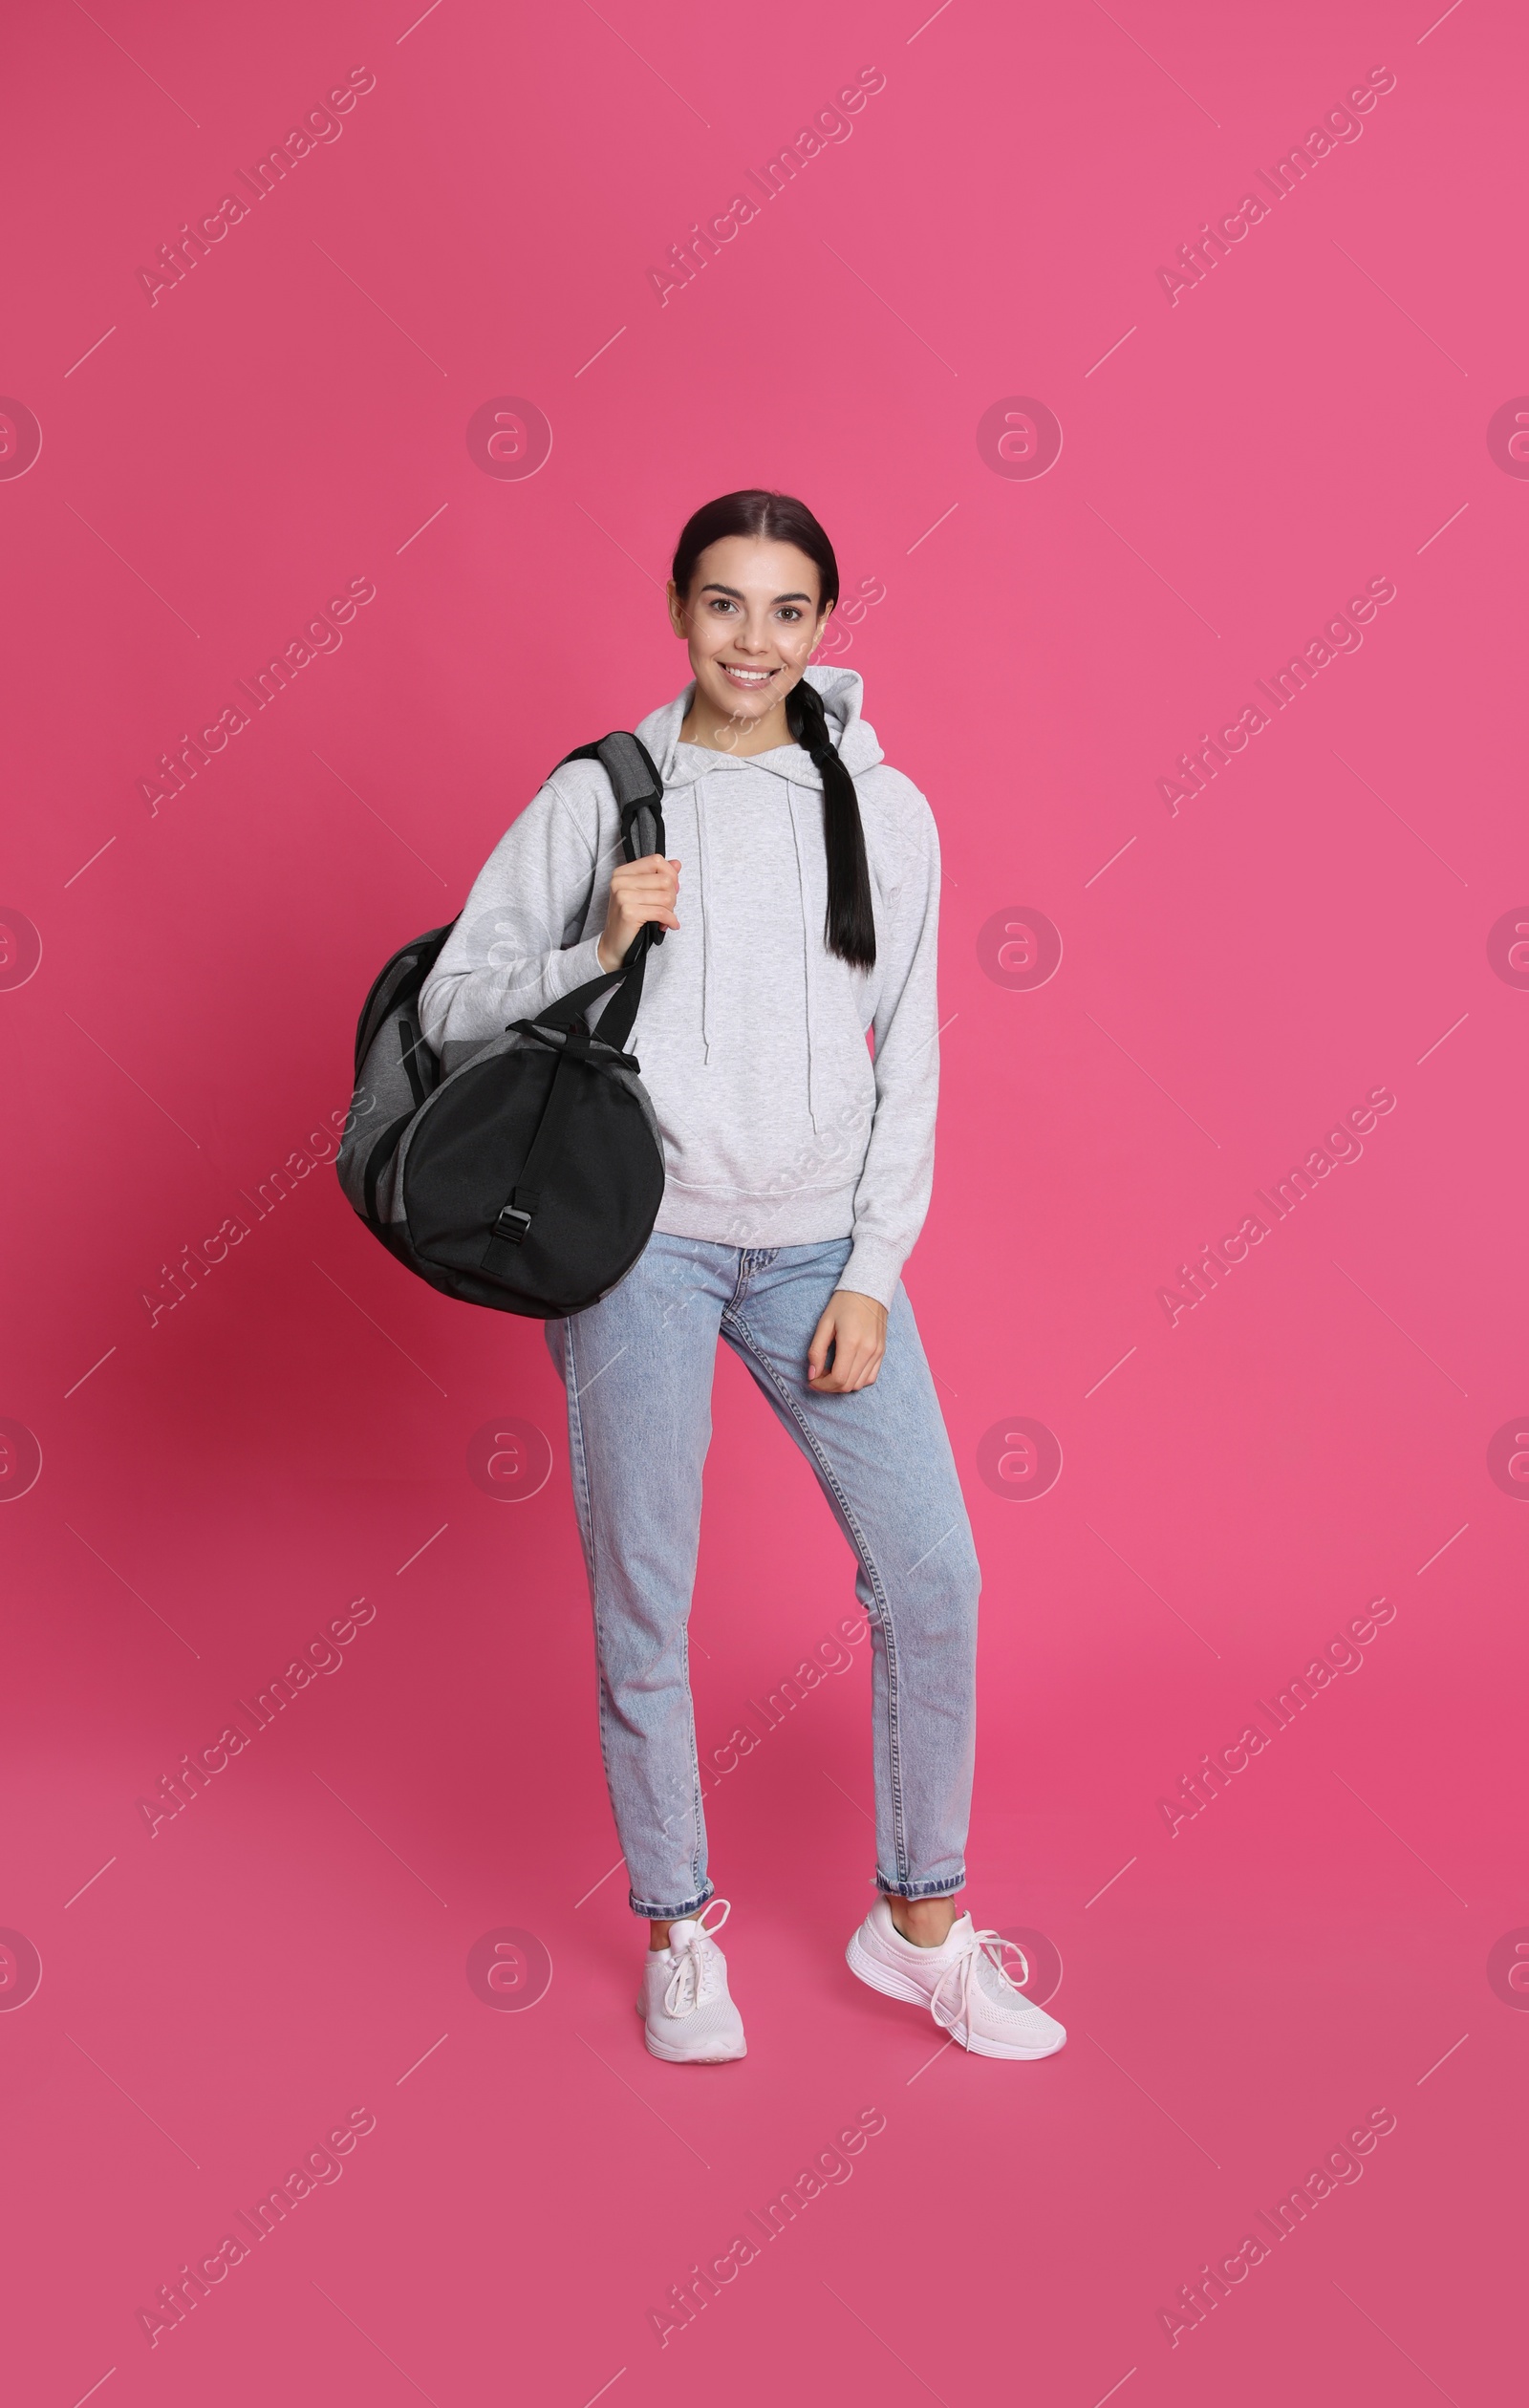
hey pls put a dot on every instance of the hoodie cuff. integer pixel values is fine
(873, 1269)
(574, 966)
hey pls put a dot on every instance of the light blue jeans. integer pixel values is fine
(637, 1368)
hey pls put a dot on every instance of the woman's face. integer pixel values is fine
(751, 619)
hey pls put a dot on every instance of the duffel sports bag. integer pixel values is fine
(529, 1179)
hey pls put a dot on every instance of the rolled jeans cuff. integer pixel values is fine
(921, 1889)
(669, 1914)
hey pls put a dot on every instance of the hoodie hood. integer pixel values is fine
(854, 741)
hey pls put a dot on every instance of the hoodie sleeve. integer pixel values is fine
(892, 1196)
(517, 947)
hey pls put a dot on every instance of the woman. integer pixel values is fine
(798, 1174)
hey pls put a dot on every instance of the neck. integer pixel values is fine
(731, 732)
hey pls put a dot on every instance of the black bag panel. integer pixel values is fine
(420, 1067)
(461, 1286)
(598, 1206)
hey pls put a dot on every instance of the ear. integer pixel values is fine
(676, 610)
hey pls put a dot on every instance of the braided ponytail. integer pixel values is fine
(850, 928)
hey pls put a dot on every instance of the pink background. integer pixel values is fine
(217, 1484)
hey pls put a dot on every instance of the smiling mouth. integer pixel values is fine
(749, 680)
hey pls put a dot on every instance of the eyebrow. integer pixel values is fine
(713, 587)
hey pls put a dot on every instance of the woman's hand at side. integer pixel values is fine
(641, 891)
(855, 1326)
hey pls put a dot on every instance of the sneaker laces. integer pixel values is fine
(982, 1952)
(688, 1983)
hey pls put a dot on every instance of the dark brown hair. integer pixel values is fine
(850, 928)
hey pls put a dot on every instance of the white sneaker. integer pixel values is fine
(689, 2016)
(964, 1983)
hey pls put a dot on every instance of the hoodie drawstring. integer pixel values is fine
(798, 842)
(706, 926)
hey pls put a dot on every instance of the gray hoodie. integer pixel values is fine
(779, 1128)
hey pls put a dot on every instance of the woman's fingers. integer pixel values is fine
(855, 1328)
(651, 866)
(646, 885)
(864, 1366)
(817, 1353)
(855, 1372)
(855, 1357)
(640, 892)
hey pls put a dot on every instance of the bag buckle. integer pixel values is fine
(512, 1213)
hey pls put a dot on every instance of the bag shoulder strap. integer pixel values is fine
(639, 791)
(637, 786)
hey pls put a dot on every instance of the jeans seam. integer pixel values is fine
(750, 1258)
(578, 1463)
(698, 1810)
(871, 1570)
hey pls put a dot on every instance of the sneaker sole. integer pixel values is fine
(894, 1984)
(681, 2057)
